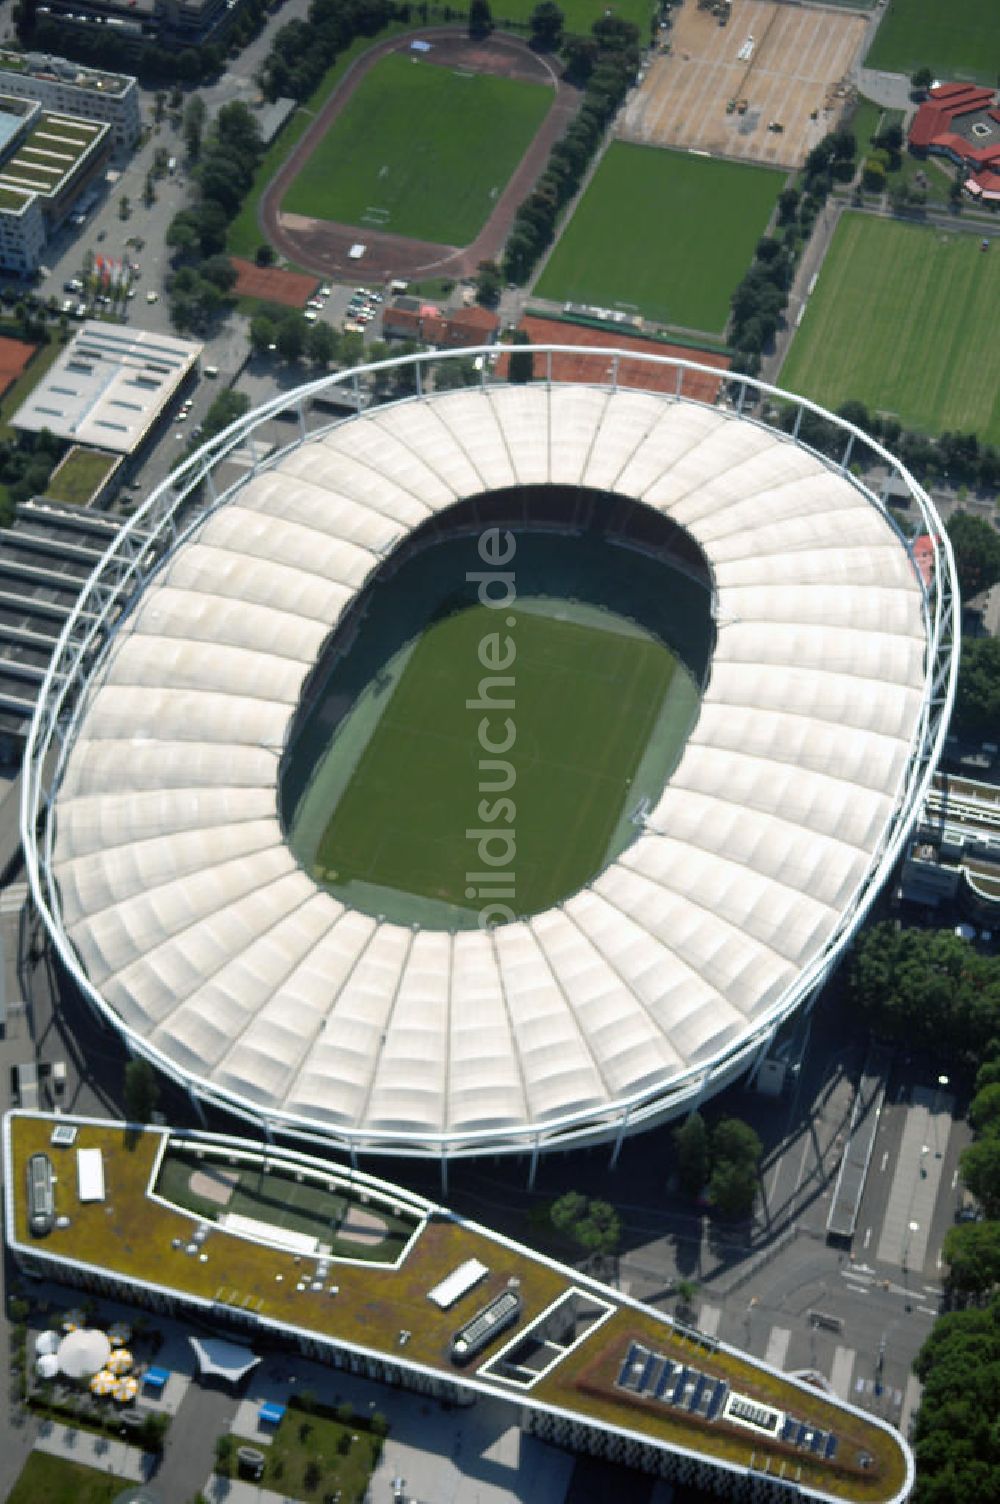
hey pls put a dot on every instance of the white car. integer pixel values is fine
(325, 290)
(152, 296)
(311, 315)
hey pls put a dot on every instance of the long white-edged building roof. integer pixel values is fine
(192, 919)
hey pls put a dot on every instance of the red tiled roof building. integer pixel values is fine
(962, 122)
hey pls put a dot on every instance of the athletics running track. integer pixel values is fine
(322, 246)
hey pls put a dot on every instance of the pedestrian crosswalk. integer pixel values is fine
(777, 1346)
(708, 1320)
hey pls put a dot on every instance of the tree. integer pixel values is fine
(321, 344)
(263, 333)
(922, 79)
(545, 25)
(977, 702)
(567, 1211)
(693, 1158)
(195, 113)
(265, 255)
(227, 408)
(480, 18)
(979, 1166)
(142, 1091)
(736, 1152)
(489, 284)
(600, 1230)
(977, 553)
(984, 1111)
(291, 340)
(972, 1251)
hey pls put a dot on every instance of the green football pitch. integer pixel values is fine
(900, 320)
(598, 712)
(956, 39)
(420, 150)
(663, 233)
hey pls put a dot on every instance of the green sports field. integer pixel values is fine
(956, 39)
(421, 150)
(663, 233)
(900, 320)
(578, 15)
(599, 713)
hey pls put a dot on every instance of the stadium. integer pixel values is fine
(372, 1008)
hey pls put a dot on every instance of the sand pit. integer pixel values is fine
(362, 1226)
(798, 65)
(215, 1185)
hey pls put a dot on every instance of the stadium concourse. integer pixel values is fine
(176, 903)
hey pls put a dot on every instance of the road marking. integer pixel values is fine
(708, 1320)
(777, 1346)
(954, 1180)
(840, 1373)
(885, 1159)
(865, 1279)
(927, 1310)
(868, 1237)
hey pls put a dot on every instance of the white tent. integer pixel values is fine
(47, 1366)
(48, 1342)
(83, 1352)
(223, 1360)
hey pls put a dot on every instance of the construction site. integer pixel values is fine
(750, 79)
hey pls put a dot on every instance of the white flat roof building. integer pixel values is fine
(90, 93)
(109, 386)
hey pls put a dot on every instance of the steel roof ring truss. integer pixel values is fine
(172, 899)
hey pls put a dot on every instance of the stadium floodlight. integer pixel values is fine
(157, 858)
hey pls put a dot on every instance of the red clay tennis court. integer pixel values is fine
(272, 285)
(14, 356)
(584, 367)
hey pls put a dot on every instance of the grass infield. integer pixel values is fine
(957, 41)
(664, 233)
(584, 700)
(421, 150)
(897, 321)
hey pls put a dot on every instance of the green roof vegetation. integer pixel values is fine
(132, 1236)
(54, 142)
(80, 475)
(11, 199)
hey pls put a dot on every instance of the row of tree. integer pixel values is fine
(605, 65)
(302, 51)
(760, 300)
(226, 156)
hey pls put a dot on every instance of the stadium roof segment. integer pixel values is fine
(193, 924)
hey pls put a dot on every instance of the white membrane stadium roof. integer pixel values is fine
(192, 918)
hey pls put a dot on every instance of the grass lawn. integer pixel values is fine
(957, 41)
(421, 150)
(59, 1482)
(665, 233)
(277, 1197)
(898, 321)
(245, 234)
(311, 1457)
(587, 698)
(79, 476)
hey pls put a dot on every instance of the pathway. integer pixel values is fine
(189, 1454)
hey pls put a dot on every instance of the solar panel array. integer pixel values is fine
(650, 1375)
(653, 1376)
(810, 1438)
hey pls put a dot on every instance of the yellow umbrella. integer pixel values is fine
(103, 1383)
(119, 1333)
(126, 1389)
(120, 1361)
